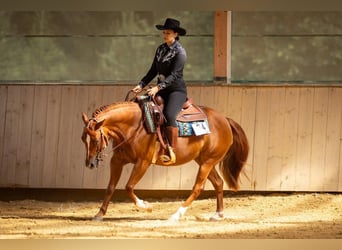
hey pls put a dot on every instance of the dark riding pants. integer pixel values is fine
(173, 104)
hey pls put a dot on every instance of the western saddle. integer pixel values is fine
(154, 119)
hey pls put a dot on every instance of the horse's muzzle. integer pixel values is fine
(92, 162)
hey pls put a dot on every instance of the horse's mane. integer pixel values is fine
(108, 107)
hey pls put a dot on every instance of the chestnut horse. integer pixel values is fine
(122, 123)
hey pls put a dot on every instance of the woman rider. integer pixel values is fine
(168, 64)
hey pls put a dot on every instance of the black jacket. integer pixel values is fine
(169, 62)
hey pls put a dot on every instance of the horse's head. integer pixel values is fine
(97, 142)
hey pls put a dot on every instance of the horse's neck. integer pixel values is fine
(121, 117)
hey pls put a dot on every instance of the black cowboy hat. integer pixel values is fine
(172, 24)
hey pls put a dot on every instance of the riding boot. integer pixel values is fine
(172, 136)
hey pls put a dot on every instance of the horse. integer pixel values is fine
(122, 123)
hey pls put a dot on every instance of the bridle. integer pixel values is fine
(103, 142)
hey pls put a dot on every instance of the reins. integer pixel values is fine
(104, 141)
(121, 133)
(134, 93)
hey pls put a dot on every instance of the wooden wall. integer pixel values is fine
(294, 132)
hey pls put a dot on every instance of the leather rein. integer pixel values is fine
(104, 141)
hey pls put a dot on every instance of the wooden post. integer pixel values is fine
(222, 45)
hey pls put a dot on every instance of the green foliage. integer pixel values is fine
(96, 46)
(286, 46)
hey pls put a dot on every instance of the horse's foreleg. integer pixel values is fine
(217, 182)
(115, 173)
(202, 176)
(138, 172)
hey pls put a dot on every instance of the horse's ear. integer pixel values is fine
(85, 118)
(99, 124)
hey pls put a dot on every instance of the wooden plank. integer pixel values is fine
(248, 113)
(289, 138)
(194, 94)
(65, 142)
(38, 136)
(116, 93)
(261, 140)
(333, 156)
(77, 165)
(159, 174)
(310, 116)
(52, 136)
(220, 99)
(24, 133)
(126, 173)
(188, 180)
(120, 93)
(234, 104)
(318, 143)
(304, 137)
(340, 153)
(3, 107)
(173, 177)
(221, 46)
(275, 139)
(146, 181)
(208, 97)
(11, 139)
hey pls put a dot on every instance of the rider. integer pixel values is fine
(168, 63)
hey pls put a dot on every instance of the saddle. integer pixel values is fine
(154, 119)
(189, 113)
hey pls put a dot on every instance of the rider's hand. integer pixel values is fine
(137, 89)
(153, 91)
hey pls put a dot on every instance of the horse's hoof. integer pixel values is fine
(218, 216)
(148, 207)
(97, 218)
(173, 219)
(144, 205)
(179, 214)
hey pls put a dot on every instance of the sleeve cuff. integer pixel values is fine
(142, 84)
(162, 85)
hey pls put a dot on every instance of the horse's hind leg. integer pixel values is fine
(202, 176)
(217, 182)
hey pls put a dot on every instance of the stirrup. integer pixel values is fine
(168, 159)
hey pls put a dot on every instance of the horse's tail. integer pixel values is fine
(236, 157)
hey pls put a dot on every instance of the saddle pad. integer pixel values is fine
(193, 128)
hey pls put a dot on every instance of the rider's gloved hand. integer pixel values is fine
(137, 89)
(153, 91)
